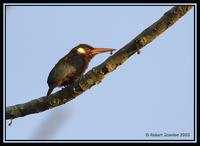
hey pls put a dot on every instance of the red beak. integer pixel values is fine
(101, 50)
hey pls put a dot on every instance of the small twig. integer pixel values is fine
(9, 124)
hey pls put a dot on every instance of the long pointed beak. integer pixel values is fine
(101, 50)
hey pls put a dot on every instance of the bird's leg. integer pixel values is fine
(67, 85)
(75, 91)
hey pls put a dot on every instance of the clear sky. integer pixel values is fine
(150, 93)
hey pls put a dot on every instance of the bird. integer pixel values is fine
(72, 66)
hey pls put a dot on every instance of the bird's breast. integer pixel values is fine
(79, 62)
(68, 70)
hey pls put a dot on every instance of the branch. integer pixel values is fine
(96, 75)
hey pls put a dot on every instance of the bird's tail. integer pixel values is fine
(50, 90)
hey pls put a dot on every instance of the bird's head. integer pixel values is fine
(89, 51)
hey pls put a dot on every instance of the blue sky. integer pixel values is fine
(150, 93)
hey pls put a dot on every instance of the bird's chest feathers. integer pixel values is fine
(79, 63)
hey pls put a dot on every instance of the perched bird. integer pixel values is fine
(72, 66)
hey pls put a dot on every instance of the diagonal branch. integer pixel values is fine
(96, 75)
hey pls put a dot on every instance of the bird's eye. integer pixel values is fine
(81, 50)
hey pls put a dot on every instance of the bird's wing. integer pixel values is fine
(60, 72)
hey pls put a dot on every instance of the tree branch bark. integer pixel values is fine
(96, 75)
